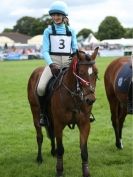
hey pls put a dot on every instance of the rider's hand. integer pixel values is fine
(54, 69)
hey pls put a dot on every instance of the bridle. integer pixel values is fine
(76, 63)
(78, 92)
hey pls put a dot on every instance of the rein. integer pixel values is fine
(83, 81)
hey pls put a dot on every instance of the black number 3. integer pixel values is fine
(62, 44)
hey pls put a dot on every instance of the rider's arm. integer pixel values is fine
(46, 46)
(74, 41)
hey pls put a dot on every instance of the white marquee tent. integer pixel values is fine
(91, 40)
(5, 40)
(122, 41)
(36, 40)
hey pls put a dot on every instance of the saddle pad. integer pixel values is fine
(124, 78)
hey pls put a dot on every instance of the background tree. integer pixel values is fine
(25, 25)
(32, 26)
(128, 33)
(84, 32)
(110, 28)
(7, 30)
(46, 19)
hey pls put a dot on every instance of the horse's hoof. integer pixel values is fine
(85, 170)
(59, 174)
(39, 160)
(119, 145)
(86, 175)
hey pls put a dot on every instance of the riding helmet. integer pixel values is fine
(59, 7)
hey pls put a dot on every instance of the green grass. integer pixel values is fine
(18, 148)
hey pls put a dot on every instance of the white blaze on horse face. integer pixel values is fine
(90, 71)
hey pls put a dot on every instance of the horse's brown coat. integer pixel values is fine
(117, 100)
(66, 106)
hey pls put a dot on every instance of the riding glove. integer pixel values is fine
(54, 69)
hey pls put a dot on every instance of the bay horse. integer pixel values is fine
(70, 103)
(118, 85)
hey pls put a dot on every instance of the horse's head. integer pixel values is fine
(85, 71)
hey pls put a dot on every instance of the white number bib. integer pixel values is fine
(60, 44)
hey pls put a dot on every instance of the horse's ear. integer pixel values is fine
(94, 54)
(78, 52)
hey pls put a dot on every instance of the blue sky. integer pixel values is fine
(82, 13)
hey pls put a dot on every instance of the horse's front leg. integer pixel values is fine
(60, 150)
(84, 132)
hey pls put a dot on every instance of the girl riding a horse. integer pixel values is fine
(59, 41)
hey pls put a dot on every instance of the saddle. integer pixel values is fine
(53, 84)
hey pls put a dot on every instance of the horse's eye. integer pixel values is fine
(90, 71)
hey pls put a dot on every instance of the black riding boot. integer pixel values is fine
(43, 117)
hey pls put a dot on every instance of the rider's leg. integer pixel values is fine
(45, 77)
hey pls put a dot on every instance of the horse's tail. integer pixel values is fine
(49, 128)
(49, 131)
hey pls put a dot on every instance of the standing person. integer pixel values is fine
(59, 42)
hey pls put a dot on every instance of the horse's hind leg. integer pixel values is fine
(115, 109)
(84, 132)
(122, 115)
(39, 135)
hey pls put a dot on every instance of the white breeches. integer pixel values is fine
(61, 61)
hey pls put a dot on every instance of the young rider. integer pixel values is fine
(59, 41)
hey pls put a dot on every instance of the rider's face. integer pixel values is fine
(57, 18)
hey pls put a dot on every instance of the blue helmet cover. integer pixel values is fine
(59, 7)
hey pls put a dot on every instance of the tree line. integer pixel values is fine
(109, 28)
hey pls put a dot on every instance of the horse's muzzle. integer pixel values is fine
(89, 97)
(90, 101)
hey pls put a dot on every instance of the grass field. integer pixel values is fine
(18, 148)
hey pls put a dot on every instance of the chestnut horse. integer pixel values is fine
(70, 103)
(118, 86)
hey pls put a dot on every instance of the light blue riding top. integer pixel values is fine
(60, 29)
